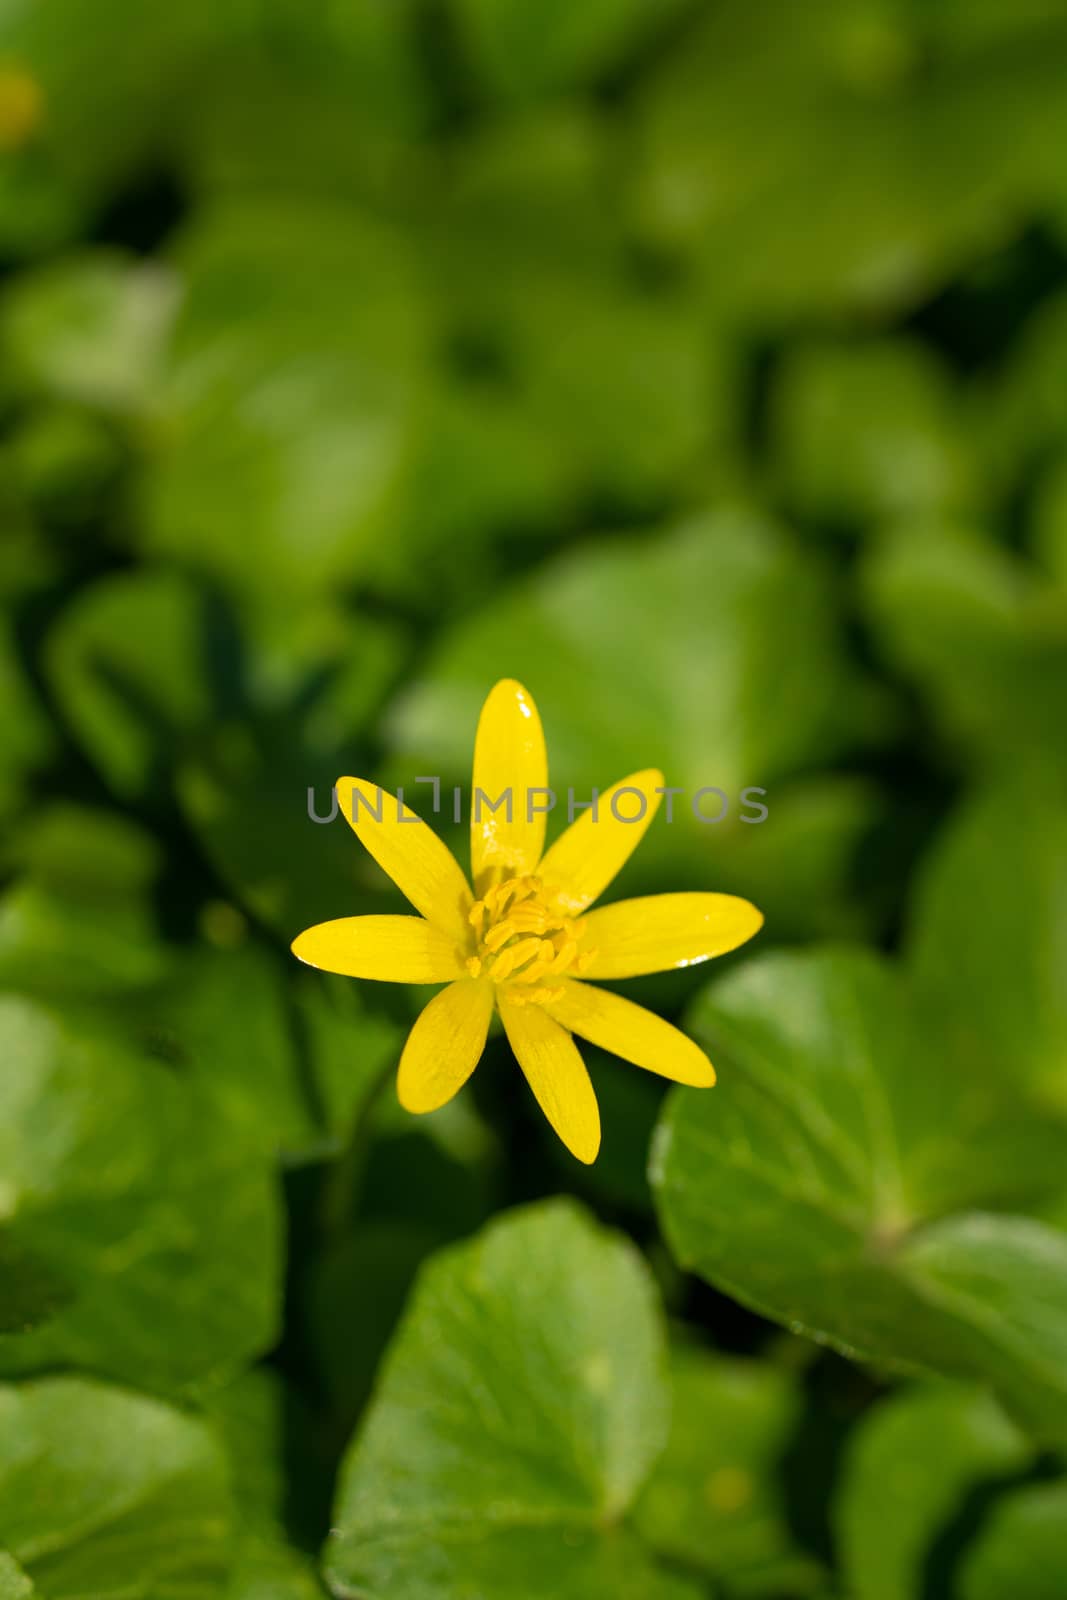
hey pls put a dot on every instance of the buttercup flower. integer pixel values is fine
(525, 940)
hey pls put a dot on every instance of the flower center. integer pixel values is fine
(525, 941)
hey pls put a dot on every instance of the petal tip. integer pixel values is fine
(586, 1154)
(512, 690)
(409, 1103)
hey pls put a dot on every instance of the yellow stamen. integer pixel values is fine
(544, 992)
(565, 955)
(523, 937)
(522, 951)
(501, 966)
(500, 934)
(529, 919)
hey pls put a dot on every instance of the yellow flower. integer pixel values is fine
(21, 106)
(527, 941)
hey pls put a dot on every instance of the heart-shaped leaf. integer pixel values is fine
(521, 1405)
(135, 1192)
(908, 1470)
(833, 1180)
(109, 1494)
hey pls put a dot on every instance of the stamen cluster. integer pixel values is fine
(525, 940)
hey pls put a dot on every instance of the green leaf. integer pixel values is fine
(129, 1186)
(1049, 534)
(109, 1494)
(356, 1291)
(287, 1063)
(523, 51)
(422, 1183)
(329, 91)
(67, 463)
(961, 26)
(631, 398)
(715, 1502)
(716, 704)
(715, 700)
(147, 671)
(273, 1572)
(29, 1292)
(522, 1403)
(39, 208)
(801, 869)
(865, 431)
(1028, 408)
(981, 633)
(638, 398)
(1022, 1550)
(225, 1023)
(289, 398)
(1000, 1285)
(151, 671)
(14, 1584)
(110, 91)
(908, 1470)
(988, 920)
(261, 1426)
(482, 464)
(350, 1048)
(89, 329)
(289, 871)
(130, 665)
(165, 688)
(80, 921)
(834, 1178)
(252, 1415)
(914, 160)
(28, 739)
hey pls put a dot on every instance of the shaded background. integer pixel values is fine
(704, 365)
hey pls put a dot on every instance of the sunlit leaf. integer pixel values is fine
(835, 1180)
(79, 920)
(716, 1500)
(988, 918)
(125, 1184)
(1022, 1550)
(520, 1408)
(982, 634)
(288, 401)
(908, 1471)
(90, 330)
(868, 431)
(107, 1493)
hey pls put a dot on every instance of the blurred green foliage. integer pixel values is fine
(704, 365)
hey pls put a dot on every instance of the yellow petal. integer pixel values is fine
(419, 863)
(660, 931)
(556, 1073)
(633, 1033)
(585, 858)
(445, 1045)
(509, 759)
(393, 949)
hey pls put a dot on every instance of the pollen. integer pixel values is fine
(524, 939)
